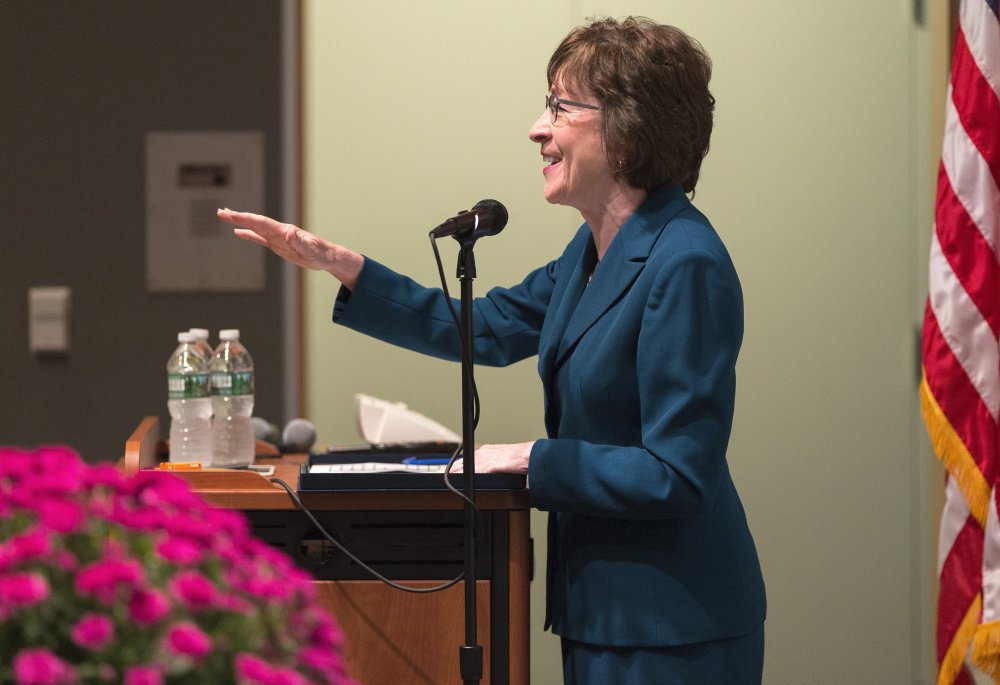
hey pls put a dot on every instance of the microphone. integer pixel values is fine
(299, 436)
(265, 430)
(487, 217)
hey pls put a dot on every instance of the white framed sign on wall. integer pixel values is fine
(188, 176)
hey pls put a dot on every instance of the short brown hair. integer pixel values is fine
(651, 81)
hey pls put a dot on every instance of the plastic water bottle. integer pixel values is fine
(201, 342)
(189, 403)
(232, 401)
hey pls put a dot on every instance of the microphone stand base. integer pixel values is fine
(470, 663)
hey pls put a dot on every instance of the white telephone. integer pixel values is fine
(382, 422)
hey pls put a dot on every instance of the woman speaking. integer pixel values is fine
(652, 572)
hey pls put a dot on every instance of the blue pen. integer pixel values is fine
(426, 460)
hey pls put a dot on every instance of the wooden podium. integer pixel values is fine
(413, 537)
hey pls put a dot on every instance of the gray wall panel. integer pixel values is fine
(82, 83)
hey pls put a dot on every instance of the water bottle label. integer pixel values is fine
(187, 386)
(232, 382)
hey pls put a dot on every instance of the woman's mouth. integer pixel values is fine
(550, 163)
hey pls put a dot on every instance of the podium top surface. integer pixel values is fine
(243, 489)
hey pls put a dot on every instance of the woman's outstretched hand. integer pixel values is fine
(298, 246)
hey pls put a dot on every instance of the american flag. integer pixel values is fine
(960, 389)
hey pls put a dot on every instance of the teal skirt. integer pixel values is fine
(733, 661)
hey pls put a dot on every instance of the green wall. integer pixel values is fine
(817, 183)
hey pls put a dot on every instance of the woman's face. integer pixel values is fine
(577, 173)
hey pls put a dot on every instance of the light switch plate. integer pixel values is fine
(48, 320)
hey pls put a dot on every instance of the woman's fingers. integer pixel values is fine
(287, 241)
(296, 245)
(258, 223)
(247, 234)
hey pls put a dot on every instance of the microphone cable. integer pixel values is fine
(475, 390)
(378, 576)
(447, 471)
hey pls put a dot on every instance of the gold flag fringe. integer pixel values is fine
(955, 455)
(951, 664)
(986, 649)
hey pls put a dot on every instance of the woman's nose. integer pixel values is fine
(540, 130)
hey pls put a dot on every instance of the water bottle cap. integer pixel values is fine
(229, 334)
(199, 333)
(186, 337)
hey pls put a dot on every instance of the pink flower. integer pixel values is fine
(31, 545)
(235, 562)
(101, 508)
(251, 670)
(57, 471)
(225, 522)
(326, 633)
(304, 585)
(93, 631)
(103, 579)
(189, 528)
(56, 483)
(61, 515)
(163, 490)
(180, 551)
(263, 552)
(123, 513)
(187, 639)
(147, 607)
(236, 605)
(267, 590)
(287, 676)
(113, 548)
(321, 659)
(143, 675)
(23, 590)
(195, 590)
(39, 666)
(65, 560)
(154, 560)
(104, 475)
(25, 547)
(15, 464)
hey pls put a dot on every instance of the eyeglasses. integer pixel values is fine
(554, 105)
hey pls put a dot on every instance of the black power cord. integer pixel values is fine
(305, 510)
(447, 472)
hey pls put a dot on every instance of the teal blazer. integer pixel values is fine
(648, 543)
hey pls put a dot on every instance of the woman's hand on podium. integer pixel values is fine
(500, 458)
(295, 245)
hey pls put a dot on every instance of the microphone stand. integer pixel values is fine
(470, 656)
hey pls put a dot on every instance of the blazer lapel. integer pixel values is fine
(612, 278)
(621, 265)
(565, 303)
